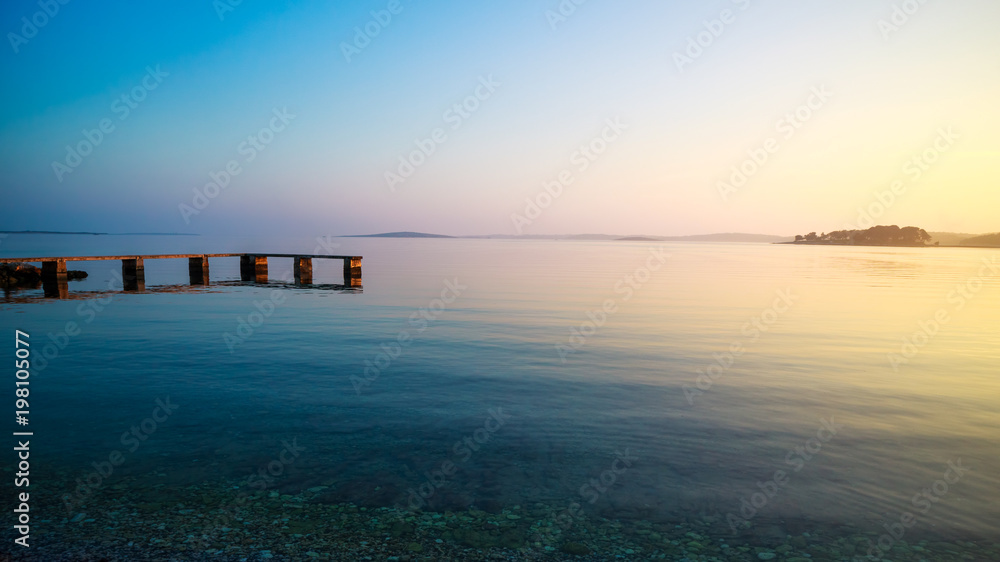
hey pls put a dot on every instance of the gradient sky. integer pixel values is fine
(325, 172)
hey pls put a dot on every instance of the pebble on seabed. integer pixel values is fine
(160, 525)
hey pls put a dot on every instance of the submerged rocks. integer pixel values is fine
(19, 275)
(575, 549)
(214, 521)
(27, 275)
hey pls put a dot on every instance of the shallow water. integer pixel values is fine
(703, 402)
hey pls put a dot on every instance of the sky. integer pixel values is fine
(474, 117)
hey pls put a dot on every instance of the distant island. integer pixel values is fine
(950, 238)
(987, 241)
(97, 233)
(50, 232)
(909, 236)
(722, 237)
(729, 237)
(399, 235)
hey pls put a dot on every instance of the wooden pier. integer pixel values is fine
(253, 268)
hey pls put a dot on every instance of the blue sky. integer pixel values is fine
(324, 172)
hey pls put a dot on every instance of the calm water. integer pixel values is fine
(818, 354)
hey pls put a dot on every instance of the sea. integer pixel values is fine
(527, 399)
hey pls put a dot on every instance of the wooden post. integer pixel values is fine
(246, 268)
(303, 270)
(54, 269)
(55, 284)
(134, 274)
(198, 270)
(253, 268)
(352, 271)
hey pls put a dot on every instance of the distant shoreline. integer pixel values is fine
(398, 235)
(881, 245)
(97, 233)
(721, 237)
(824, 243)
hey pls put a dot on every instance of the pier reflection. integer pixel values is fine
(55, 287)
(58, 289)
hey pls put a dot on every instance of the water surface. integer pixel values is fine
(488, 331)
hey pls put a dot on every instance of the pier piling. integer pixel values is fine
(134, 274)
(55, 283)
(54, 269)
(253, 268)
(352, 272)
(303, 268)
(198, 270)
